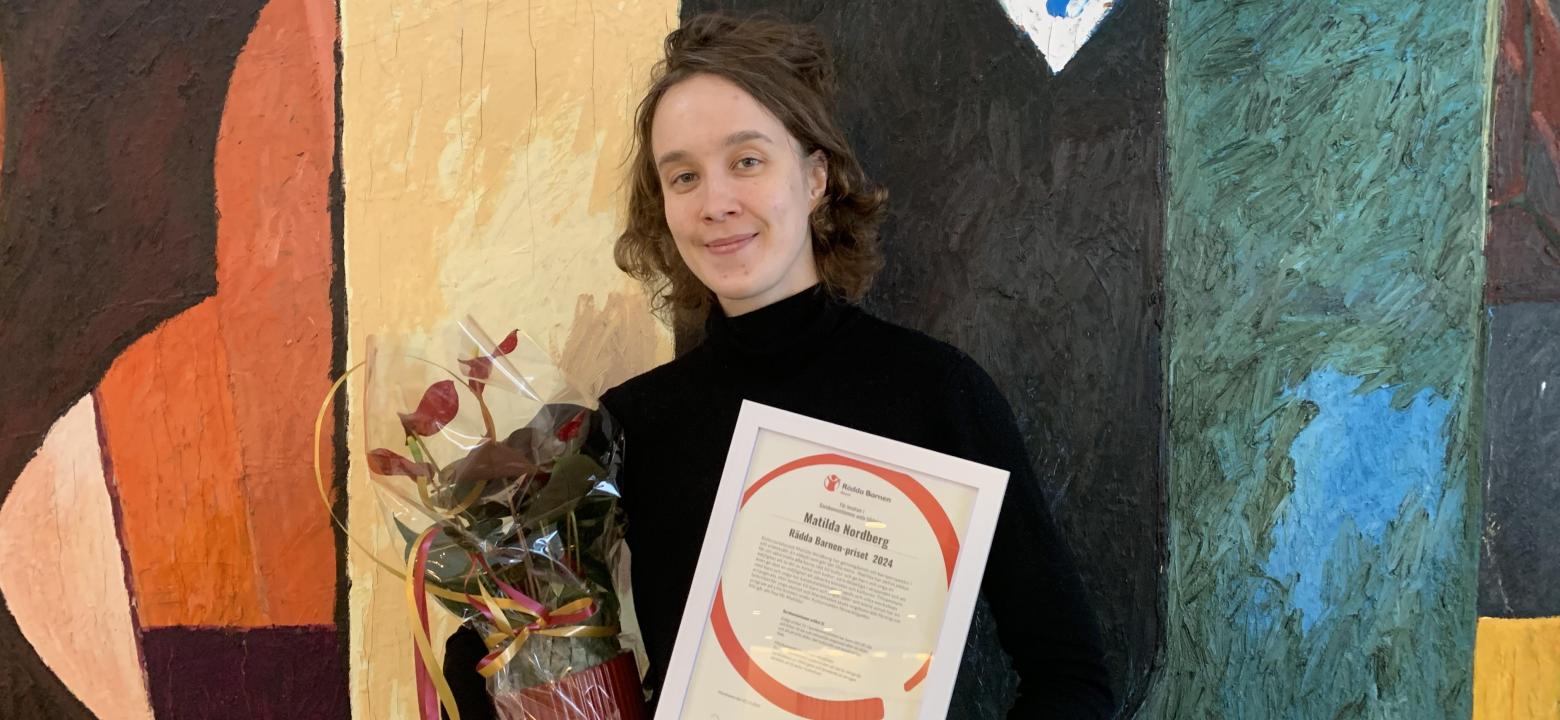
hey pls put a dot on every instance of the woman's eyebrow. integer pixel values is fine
(736, 138)
(742, 136)
(671, 157)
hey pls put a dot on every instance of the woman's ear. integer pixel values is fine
(817, 177)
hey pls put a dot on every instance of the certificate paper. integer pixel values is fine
(837, 577)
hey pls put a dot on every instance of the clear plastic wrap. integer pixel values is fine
(503, 482)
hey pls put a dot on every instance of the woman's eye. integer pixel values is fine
(749, 163)
(682, 178)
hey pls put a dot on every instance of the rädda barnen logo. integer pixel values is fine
(831, 483)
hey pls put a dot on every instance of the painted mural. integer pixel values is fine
(168, 261)
(481, 146)
(1273, 289)
(1323, 269)
(1517, 665)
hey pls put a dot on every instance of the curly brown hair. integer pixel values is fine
(789, 70)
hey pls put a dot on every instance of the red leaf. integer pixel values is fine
(388, 462)
(479, 368)
(509, 344)
(436, 410)
(572, 427)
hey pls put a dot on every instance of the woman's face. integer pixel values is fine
(738, 192)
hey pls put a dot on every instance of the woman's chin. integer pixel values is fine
(736, 285)
(740, 297)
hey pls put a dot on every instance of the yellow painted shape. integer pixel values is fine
(482, 148)
(64, 575)
(1516, 669)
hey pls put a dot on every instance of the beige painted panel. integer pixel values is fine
(64, 574)
(482, 146)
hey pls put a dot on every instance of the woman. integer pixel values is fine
(747, 207)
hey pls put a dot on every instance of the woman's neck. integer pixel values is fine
(737, 307)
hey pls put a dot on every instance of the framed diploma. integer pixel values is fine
(837, 578)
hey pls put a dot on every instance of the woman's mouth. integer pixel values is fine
(730, 244)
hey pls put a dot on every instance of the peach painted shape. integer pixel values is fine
(64, 575)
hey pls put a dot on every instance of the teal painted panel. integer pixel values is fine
(1326, 185)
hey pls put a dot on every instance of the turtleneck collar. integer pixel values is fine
(783, 332)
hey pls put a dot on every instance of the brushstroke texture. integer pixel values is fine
(235, 381)
(271, 673)
(109, 217)
(1519, 573)
(1323, 271)
(273, 163)
(607, 344)
(1516, 671)
(64, 574)
(1024, 226)
(1359, 464)
(170, 432)
(1524, 240)
(482, 150)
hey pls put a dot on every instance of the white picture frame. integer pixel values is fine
(981, 489)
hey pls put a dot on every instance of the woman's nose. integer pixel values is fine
(720, 202)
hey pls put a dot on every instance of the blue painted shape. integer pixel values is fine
(1056, 8)
(1360, 459)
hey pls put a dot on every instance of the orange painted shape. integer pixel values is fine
(64, 576)
(209, 418)
(1516, 669)
(274, 266)
(168, 420)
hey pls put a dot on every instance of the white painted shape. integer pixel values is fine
(1058, 38)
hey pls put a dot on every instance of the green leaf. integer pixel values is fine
(572, 479)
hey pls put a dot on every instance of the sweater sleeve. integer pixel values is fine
(619, 403)
(1043, 617)
(464, 648)
(462, 651)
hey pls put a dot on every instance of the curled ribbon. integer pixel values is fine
(505, 643)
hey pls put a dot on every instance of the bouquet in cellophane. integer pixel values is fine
(503, 483)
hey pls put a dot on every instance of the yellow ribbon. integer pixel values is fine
(420, 633)
(516, 637)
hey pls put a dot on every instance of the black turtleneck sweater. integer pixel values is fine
(819, 356)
